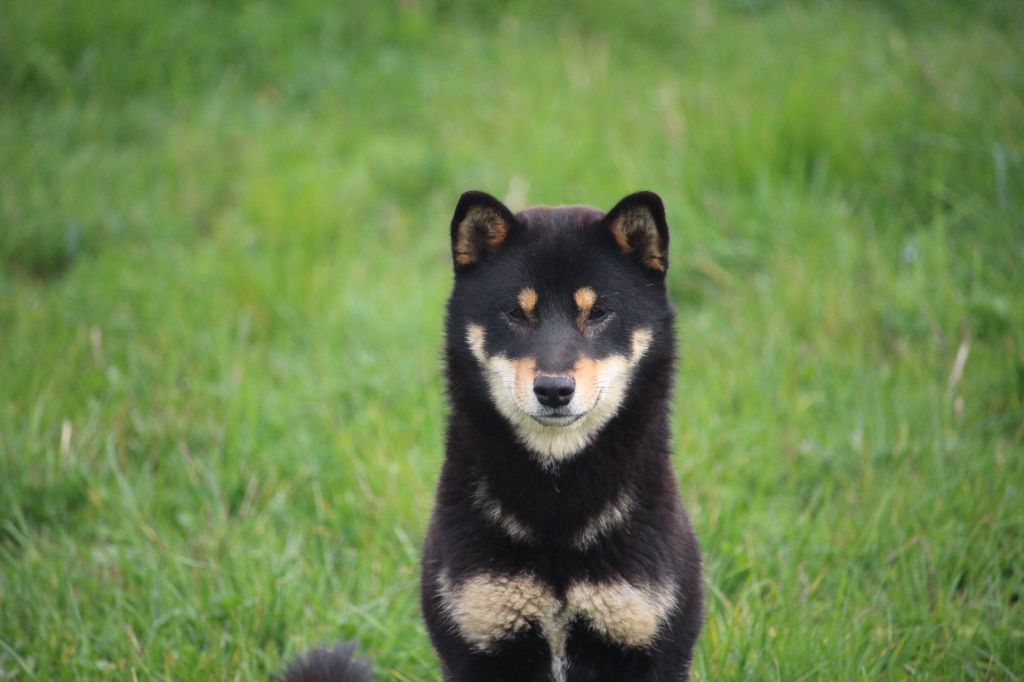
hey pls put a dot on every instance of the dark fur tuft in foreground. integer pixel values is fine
(322, 664)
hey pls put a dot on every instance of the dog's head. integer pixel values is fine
(557, 307)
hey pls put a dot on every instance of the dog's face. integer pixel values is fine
(557, 308)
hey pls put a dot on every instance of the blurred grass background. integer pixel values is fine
(223, 261)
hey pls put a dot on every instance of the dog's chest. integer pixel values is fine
(488, 608)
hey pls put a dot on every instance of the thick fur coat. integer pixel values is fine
(558, 549)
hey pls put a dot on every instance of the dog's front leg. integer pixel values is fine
(592, 658)
(526, 658)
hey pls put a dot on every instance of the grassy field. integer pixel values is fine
(223, 261)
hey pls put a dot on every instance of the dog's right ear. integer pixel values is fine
(480, 224)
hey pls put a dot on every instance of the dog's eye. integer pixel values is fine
(517, 314)
(597, 313)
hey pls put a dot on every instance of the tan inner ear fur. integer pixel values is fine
(635, 230)
(482, 227)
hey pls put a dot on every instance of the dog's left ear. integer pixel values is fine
(638, 225)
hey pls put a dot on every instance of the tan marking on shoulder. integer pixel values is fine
(495, 512)
(613, 515)
(489, 607)
(627, 614)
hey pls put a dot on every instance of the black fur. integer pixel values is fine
(556, 251)
(322, 664)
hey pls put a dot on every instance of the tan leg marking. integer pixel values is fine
(626, 614)
(487, 608)
(493, 510)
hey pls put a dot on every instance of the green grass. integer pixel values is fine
(223, 261)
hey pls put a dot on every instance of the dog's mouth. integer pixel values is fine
(557, 418)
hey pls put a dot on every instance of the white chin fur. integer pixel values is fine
(573, 428)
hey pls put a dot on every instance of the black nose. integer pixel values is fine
(554, 391)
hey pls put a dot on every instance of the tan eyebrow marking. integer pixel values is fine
(585, 298)
(528, 302)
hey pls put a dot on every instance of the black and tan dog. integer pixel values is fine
(558, 549)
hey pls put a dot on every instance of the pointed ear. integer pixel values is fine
(480, 225)
(638, 225)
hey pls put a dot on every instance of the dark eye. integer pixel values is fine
(597, 313)
(517, 314)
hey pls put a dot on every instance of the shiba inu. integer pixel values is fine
(558, 549)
